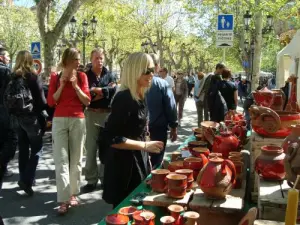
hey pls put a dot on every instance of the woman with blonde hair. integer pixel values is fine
(25, 101)
(69, 93)
(126, 129)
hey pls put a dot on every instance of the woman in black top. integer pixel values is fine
(228, 90)
(27, 116)
(127, 161)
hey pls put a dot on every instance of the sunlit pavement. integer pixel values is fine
(17, 208)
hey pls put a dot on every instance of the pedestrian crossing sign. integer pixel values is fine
(36, 50)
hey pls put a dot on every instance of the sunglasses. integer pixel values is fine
(149, 71)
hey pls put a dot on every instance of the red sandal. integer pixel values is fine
(63, 208)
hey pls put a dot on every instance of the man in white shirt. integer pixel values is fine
(199, 97)
(163, 73)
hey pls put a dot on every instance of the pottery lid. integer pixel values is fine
(117, 219)
(184, 171)
(200, 149)
(143, 214)
(216, 159)
(193, 159)
(226, 133)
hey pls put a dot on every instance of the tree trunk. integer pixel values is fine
(49, 45)
(258, 47)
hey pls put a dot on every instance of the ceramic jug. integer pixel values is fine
(224, 143)
(217, 178)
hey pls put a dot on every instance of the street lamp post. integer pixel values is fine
(85, 34)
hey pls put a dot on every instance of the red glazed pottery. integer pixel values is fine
(158, 180)
(128, 211)
(233, 116)
(191, 217)
(187, 172)
(195, 144)
(176, 165)
(167, 220)
(217, 178)
(270, 163)
(175, 211)
(225, 143)
(269, 123)
(199, 150)
(176, 193)
(190, 184)
(194, 163)
(292, 138)
(116, 219)
(176, 181)
(292, 104)
(213, 155)
(209, 129)
(240, 131)
(144, 217)
(292, 164)
(273, 99)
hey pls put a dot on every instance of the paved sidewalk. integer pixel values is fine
(17, 208)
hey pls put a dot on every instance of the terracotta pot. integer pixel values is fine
(197, 130)
(194, 163)
(191, 217)
(225, 143)
(187, 172)
(294, 137)
(214, 154)
(209, 129)
(116, 219)
(190, 185)
(158, 180)
(236, 154)
(292, 164)
(195, 144)
(200, 137)
(144, 217)
(269, 123)
(176, 181)
(175, 211)
(128, 211)
(217, 178)
(199, 150)
(233, 116)
(175, 156)
(176, 193)
(273, 99)
(240, 132)
(270, 163)
(167, 220)
(176, 165)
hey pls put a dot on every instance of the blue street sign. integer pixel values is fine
(36, 50)
(225, 22)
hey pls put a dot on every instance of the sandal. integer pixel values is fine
(73, 201)
(63, 208)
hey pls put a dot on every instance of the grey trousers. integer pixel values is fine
(93, 120)
(201, 109)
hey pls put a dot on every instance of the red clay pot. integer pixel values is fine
(224, 143)
(128, 211)
(199, 150)
(194, 163)
(167, 220)
(209, 129)
(187, 172)
(270, 163)
(240, 131)
(117, 219)
(195, 144)
(144, 217)
(217, 178)
(176, 165)
(175, 211)
(214, 154)
(176, 193)
(176, 181)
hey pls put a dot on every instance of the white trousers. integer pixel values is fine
(68, 137)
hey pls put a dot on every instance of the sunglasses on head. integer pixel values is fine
(149, 71)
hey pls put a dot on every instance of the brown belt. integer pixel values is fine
(99, 110)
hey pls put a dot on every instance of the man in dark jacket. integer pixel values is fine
(8, 138)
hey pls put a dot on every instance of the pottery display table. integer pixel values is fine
(272, 194)
(256, 142)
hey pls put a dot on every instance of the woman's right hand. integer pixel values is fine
(153, 146)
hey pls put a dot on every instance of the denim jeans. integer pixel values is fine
(248, 119)
(30, 135)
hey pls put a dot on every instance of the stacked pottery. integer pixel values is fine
(270, 163)
(195, 164)
(177, 185)
(144, 217)
(190, 178)
(217, 178)
(224, 143)
(175, 212)
(236, 158)
(158, 180)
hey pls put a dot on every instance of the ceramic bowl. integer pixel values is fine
(176, 181)
(167, 220)
(116, 219)
(127, 211)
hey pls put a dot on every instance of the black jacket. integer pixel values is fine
(5, 77)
